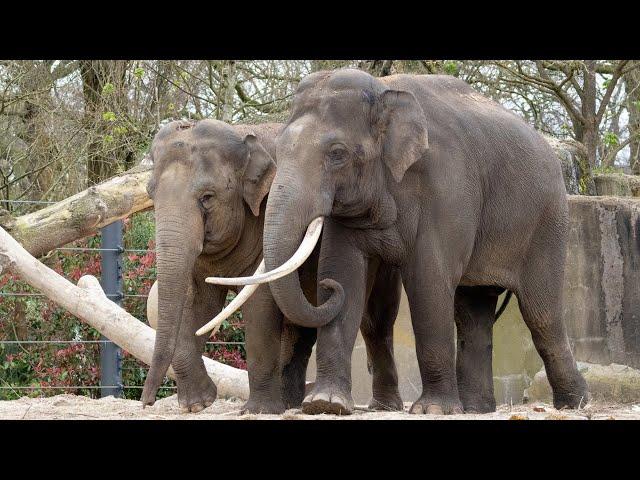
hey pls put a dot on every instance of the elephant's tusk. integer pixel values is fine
(235, 304)
(304, 250)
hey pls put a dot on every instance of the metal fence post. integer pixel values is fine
(111, 281)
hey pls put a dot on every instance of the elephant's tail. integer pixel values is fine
(503, 307)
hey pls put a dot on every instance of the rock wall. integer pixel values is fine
(617, 184)
(602, 281)
(601, 312)
(571, 154)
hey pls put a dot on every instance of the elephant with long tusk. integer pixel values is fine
(465, 200)
(209, 186)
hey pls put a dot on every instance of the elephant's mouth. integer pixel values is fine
(307, 245)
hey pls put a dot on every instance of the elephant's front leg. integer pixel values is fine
(297, 342)
(431, 301)
(263, 332)
(342, 262)
(196, 390)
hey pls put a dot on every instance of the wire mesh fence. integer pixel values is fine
(37, 357)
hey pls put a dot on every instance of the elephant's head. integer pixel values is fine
(206, 180)
(348, 140)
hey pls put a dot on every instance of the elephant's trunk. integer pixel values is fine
(289, 212)
(178, 244)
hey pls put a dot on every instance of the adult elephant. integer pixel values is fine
(209, 185)
(424, 174)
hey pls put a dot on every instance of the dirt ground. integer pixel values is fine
(72, 407)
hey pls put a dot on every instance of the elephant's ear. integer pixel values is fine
(405, 131)
(258, 174)
(153, 182)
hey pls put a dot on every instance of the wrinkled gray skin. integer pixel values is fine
(208, 186)
(423, 174)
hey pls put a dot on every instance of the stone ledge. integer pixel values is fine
(609, 383)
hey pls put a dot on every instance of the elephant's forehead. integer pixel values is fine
(345, 112)
(175, 170)
(327, 111)
(339, 102)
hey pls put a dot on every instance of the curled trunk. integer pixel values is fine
(287, 217)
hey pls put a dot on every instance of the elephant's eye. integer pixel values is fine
(207, 199)
(337, 155)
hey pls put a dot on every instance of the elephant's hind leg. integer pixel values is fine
(540, 300)
(297, 343)
(475, 315)
(377, 332)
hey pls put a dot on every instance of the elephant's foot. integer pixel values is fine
(478, 403)
(293, 386)
(329, 399)
(263, 406)
(386, 400)
(194, 395)
(431, 405)
(479, 407)
(574, 400)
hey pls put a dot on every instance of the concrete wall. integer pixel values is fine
(602, 306)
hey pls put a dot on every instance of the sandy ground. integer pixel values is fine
(72, 407)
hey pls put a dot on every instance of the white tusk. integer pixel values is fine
(242, 296)
(304, 250)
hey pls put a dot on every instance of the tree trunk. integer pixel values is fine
(105, 96)
(230, 88)
(632, 86)
(587, 131)
(88, 302)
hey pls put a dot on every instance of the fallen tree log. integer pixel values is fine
(88, 302)
(82, 214)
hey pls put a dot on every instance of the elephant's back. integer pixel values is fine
(467, 127)
(482, 154)
(465, 114)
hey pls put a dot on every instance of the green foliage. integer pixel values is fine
(609, 170)
(138, 72)
(140, 230)
(451, 68)
(120, 130)
(610, 139)
(108, 89)
(109, 117)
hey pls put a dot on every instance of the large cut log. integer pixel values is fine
(88, 302)
(82, 214)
